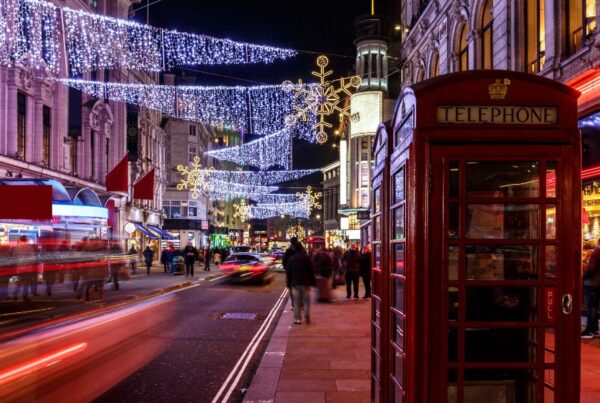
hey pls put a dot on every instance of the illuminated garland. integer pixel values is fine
(259, 110)
(195, 178)
(310, 198)
(29, 34)
(264, 153)
(229, 191)
(265, 210)
(99, 42)
(261, 178)
(241, 210)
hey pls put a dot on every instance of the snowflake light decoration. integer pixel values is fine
(311, 199)
(195, 178)
(242, 210)
(323, 99)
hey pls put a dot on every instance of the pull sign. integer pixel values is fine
(567, 303)
(550, 304)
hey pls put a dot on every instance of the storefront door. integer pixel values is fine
(508, 284)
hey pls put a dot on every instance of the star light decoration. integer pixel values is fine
(323, 99)
(311, 199)
(195, 178)
(242, 210)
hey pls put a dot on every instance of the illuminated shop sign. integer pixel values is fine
(521, 115)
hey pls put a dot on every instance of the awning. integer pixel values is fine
(145, 231)
(161, 232)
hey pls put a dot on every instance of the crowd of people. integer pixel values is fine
(325, 270)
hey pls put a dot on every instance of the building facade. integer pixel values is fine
(331, 200)
(48, 130)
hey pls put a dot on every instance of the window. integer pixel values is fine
(166, 209)
(462, 49)
(435, 66)
(193, 209)
(581, 23)
(46, 133)
(192, 152)
(175, 209)
(487, 33)
(73, 149)
(21, 125)
(192, 130)
(535, 34)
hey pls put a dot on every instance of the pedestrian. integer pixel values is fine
(116, 262)
(170, 253)
(336, 258)
(351, 261)
(591, 291)
(26, 268)
(323, 269)
(217, 257)
(365, 269)
(132, 258)
(190, 254)
(207, 259)
(50, 271)
(163, 260)
(289, 252)
(299, 278)
(148, 258)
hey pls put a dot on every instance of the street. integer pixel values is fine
(203, 349)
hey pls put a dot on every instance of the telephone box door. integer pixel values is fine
(508, 282)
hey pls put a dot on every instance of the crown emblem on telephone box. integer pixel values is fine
(498, 89)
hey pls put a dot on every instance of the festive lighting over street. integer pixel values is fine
(258, 110)
(195, 178)
(310, 198)
(274, 150)
(94, 41)
(242, 210)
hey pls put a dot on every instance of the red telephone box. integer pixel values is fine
(476, 241)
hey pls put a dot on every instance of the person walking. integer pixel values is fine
(148, 258)
(365, 269)
(163, 260)
(115, 263)
(299, 278)
(207, 259)
(591, 292)
(132, 258)
(170, 253)
(351, 261)
(323, 268)
(190, 255)
(26, 269)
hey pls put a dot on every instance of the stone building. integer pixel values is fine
(48, 130)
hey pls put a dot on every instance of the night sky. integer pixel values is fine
(319, 26)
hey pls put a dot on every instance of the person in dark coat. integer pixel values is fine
(116, 262)
(170, 253)
(190, 255)
(300, 277)
(351, 261)
(148, 258)
(207, 259)
(133, 258)
(591, 291)
(163, 260)
(290, 251)
(323, 269)
(365, 269)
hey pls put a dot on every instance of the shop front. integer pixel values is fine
(476, 223)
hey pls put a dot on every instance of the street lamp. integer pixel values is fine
(318, 216)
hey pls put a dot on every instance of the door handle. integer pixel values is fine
(567, 303)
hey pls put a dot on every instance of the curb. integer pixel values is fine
(263, 386)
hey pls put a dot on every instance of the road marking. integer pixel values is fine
(216, 278)
(24, 312)
(247, 355)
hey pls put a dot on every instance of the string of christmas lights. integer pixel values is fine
(270, 151)
(265, 210)
(29, 35)
(95, 41)
(260, 110)
(227, 191)
(260, 178)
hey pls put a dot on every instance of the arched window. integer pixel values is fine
(581, 23)
(487, 41)
(462, 49)
(535, 36)
(434, 68)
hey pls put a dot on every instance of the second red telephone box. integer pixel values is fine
(476, 242)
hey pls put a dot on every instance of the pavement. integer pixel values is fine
(328, 360)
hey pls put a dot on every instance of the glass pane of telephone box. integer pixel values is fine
(550, 179)
(488, 344)
(502, 179)
(501, 304)
(501, 262)
(500, 386)
(502, 221)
